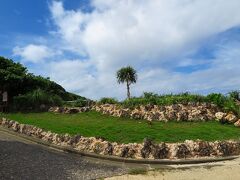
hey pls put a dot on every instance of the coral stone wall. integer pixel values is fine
(69, 110)
(145, 150)
(178, 112)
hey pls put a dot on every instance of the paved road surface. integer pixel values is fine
(20, 159)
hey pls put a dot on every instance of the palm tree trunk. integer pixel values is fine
(128, 90)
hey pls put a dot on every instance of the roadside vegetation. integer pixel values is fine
(36, 100)
(126, 130)
(228, 102)
(27, 91)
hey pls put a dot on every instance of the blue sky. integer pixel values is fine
(174, 46)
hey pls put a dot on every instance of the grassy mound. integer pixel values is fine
(126, 130)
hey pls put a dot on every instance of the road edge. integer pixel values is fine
(119, 159)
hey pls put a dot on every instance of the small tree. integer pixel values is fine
(127, 75)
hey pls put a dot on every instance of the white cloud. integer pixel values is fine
(147, 34)
(221, 76)
(153, 36)
(33, 53)
(80, 77)
(124, 32)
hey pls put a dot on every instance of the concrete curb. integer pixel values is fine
(115, 158)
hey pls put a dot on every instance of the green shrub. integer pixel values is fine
(216, 98)
(80, 103)
(154, 99)
(55, 100)
(231, 106)
(234, 95)
(36, 100)
(150, 98)
(149, 95)
(133, 102)
(106, 100)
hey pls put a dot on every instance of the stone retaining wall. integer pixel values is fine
(178, 112)
(69, 110)
(145, 150)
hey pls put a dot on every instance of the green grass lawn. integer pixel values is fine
(126, 130)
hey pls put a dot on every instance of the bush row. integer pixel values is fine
(37, 100)
(226, 102)
(81, 102)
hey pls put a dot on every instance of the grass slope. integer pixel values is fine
(126, 130)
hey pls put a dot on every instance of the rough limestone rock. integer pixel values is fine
(182, 115)
(124, 151)
(204, 149)
(220, 116)
(5, 122)
(48, 136)
(117, 150)
(69, 110)
(108, 148)
(22, 128)
(175, 112)
(15, 126)
(237, 123)
(131, 152)
(231, 118)
(146, 150)
(183, 151)
(75, 139)
(134, 150)
(160, 151)
(28, 130)
(180, 112)
(97, 146)
(225, 148)
(57, 139)
(72, 111)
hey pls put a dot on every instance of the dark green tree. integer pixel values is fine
(11, 76)
(127, 75)
(15, 79)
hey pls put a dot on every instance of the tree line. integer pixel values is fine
(16, 80)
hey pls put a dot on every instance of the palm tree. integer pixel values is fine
(127, 75)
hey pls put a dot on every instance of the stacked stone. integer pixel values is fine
(227, 118)
(178, 112)
(69, 110)
(146, 150)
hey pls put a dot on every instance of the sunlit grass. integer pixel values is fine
(126, 130)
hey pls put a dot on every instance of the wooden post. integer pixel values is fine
(5, 101)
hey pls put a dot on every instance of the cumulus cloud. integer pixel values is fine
(155, 37)
(221, 76)
(124, 32)
(81, 77)
(33, 53)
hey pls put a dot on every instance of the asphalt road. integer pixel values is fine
(21, 159)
